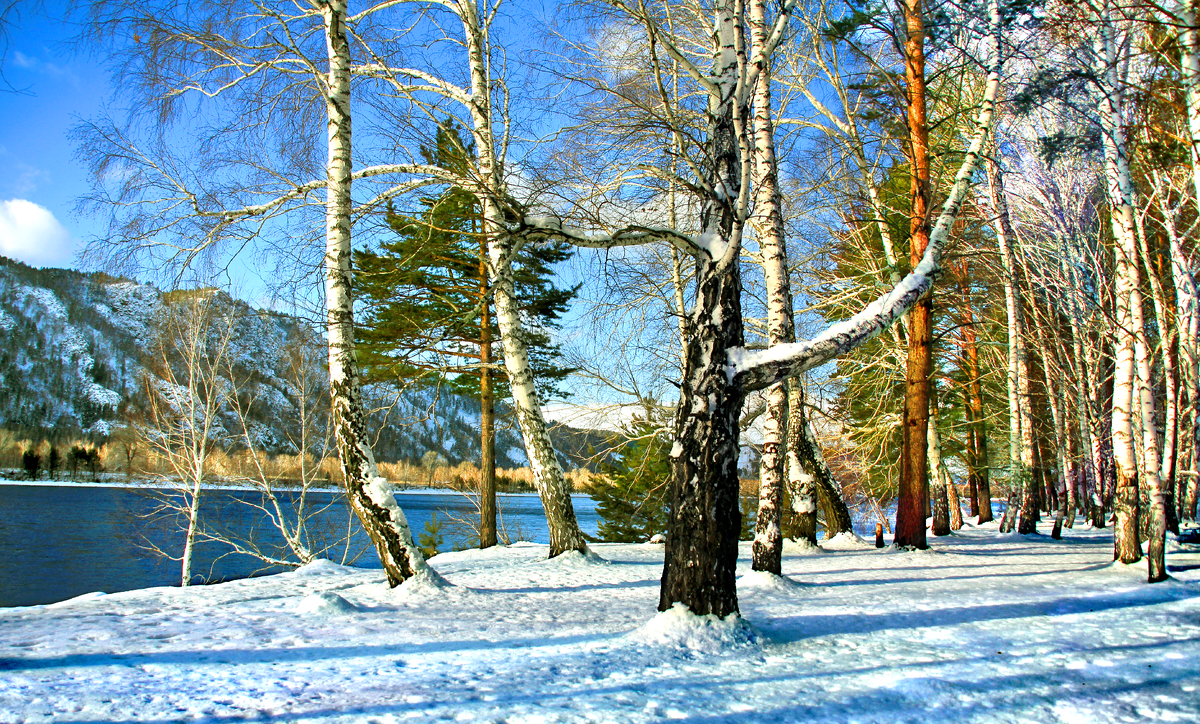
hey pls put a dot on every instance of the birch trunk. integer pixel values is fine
(1187, 315)
(551, 483)
(366, 491)
(1126, 546)
(1157, 523)
(768, 226)
(1168, 335)
(190, 539)
(1189, 62)
(1182, 271)
(802, 467)
(705, 520)
(937, 484)
(1020, 423)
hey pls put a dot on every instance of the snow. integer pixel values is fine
(982, 628)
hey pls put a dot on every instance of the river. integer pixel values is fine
(61, 541)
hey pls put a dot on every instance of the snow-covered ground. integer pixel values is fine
(983, 628)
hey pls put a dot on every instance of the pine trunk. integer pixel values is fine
(487, 412)
(978, 464)
(914, 470)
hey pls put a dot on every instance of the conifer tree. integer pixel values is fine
(632, 502)
(428, 317)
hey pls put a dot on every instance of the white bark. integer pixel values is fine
(366, 490)
(552, 484)
(1120, 194)
(768, 225)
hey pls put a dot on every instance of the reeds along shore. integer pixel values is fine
(119, 458)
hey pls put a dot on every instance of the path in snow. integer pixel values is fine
(983, 628)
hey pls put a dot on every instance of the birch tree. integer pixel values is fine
(185, 400)
(268, 67)
(490, 136)
(719, 371)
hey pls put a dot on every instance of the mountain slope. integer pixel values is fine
(78, 349)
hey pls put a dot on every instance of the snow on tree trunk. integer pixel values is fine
(937, 481)
(768, 227)
(1126, 546)
(366, 491)
(802, 466)
(552, 485)
(705, 518)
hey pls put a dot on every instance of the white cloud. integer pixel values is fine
(31, 234)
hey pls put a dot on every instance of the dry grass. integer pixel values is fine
(123, 457)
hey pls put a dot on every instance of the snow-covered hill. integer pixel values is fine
(78, 349)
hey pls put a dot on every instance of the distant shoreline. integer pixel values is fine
(146, 485)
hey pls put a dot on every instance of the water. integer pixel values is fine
(61, 541)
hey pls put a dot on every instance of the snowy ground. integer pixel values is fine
(984, 628)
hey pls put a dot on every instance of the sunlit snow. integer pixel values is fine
(983, 628)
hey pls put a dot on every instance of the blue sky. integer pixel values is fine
(51, 88)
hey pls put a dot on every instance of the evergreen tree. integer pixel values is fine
(427, 310)
(632, 501)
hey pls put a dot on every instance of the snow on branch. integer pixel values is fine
(542, 228)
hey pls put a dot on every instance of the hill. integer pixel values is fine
(82, 346)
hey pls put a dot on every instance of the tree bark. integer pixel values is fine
(768, 225)
(487, 410)
(705, 517)
(978, 466)
(937, 485)
(802, 467)
(552, 485)
(914, 470)
(1126, 546)
(366, 491)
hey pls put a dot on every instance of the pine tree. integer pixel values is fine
(631, 500)
(428, 318)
